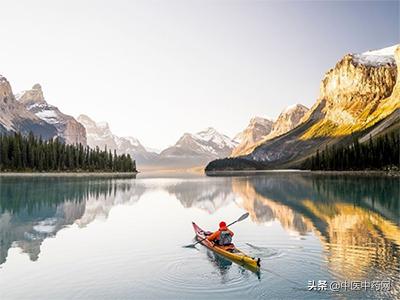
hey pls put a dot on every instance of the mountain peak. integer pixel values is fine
(85, 118)
(203, 145)
(293, 108)
(208, 130)
(257, 129)
(376, 58)
(37, 86)
(260, 120)
(2, 79)
(211, 135)
(382, 52)
(87, 121)
(32, 96)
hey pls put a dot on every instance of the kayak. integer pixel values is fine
(233, 253)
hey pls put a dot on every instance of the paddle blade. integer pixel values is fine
(244, 216)
(189, 246)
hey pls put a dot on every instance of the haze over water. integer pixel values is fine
(122, 238)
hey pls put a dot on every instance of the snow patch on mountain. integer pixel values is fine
(376, 57)
(15, 117)
(210, 135)
(48, 115)
(70, 130)
(205, 144)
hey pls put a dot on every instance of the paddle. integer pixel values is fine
(242, 217)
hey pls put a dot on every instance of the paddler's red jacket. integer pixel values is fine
(215, 235)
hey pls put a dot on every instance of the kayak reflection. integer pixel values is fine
(223, 265)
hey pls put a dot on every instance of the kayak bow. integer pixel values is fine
(234, 254)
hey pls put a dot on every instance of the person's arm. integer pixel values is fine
(213, 236)
(231, 232)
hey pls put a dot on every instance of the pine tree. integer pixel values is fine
(19, 153)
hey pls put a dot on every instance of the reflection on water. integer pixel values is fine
(33, 209)
(355, 219)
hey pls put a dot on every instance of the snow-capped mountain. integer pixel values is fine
(376, 58)
(14, 117)
(358, 96)
(69, 129)
(352, 93)
(208, 143)
(256, 131)
(100, 135)
(196, 149)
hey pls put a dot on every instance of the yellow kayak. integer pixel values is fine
(233, 254)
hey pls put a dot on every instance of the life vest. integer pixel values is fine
(225, 238)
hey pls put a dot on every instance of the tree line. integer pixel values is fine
(378, 154)
(28, 153)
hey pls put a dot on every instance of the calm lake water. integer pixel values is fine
(71, 238)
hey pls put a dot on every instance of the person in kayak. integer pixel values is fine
(222, 237)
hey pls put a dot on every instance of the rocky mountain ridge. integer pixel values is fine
(197, 149)
(14, 117)
(260, 130)
(256, 131)
(359, 96)
(100, 135)
(289, 118)
(68, 129)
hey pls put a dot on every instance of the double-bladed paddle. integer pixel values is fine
(242, 217)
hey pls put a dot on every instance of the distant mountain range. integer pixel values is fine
(359, 98)
(359, 95)
(197, 149)
(100, 135)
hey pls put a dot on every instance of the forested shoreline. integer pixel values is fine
(379, 154)
(19, 153)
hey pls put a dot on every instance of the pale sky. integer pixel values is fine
(157, 69)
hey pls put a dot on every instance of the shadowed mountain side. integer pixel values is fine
(68, 129)
(290, 151)
(14, 117)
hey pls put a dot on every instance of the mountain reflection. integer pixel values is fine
(356, 218)
(200, 193)
(34, 209)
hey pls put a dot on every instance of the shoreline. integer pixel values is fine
(305, 172)
(70, 174)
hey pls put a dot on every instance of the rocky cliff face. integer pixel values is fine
(287, 120)
(256, 131)
(68, 129)
(14, 117)
(261, 130)
(359, 95)
(354, 94)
